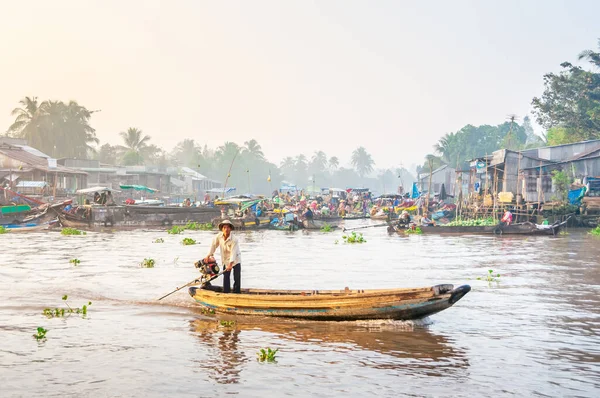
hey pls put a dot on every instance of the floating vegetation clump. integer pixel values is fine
(159, 240)
(227, 324)
(147, 263)
(207, 311)
(176, 229)
(595, 231)
(416, 231)
(490, 277)
(41, 334)
(3, 230)
(354, 238)
(75, 261)
(60, 312)
(71, 231)
(267, 355)
(326, 228)
(188, 241)
(489, 221)
(198, 226)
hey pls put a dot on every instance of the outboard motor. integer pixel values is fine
(207, 269)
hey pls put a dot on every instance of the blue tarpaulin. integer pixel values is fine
(576, 195)
(415, 191)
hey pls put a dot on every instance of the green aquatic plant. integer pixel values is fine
(41, 334)
(416, 231)
(207, 311)
(336, 242)
(188, 241)
(354, 238)
(159, 240)
(326, 228)
(60, 312)
(148, 263)
(227, 324)
(75, 261)
(3, 230)
(175, 230)
(490, 277)
(267, 355)
(72, 231)
(595, 231)
(199, 226)
(459, 222)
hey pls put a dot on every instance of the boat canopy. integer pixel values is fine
(139, 188)
(32, 184)
(221, 190)
(94, 189)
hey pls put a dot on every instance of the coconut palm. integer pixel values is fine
(27, 122)
(77, 134)
(362, 161)
(318, 163)
(186, 153)
(253, 149)
(591, 56)
(135, 144)
(334, 162)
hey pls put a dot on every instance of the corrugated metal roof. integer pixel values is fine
(39, 163)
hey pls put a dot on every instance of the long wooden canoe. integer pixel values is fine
(526, 228)
(330, 305)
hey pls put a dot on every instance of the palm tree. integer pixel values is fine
(254, 149)
(186, 153)
(362, 161)
(135, 144)
(334, 162)
(77, 134)
(27, 122)
(591, 56)
(318, 163)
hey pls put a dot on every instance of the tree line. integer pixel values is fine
(569, 110)
(63, 130)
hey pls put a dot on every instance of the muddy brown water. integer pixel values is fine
(533, 332)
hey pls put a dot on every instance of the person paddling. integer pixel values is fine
(230, 256)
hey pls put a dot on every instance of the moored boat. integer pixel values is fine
(526, 228)
(317, 224)
(339, 305)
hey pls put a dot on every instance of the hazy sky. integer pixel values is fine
(297, 76)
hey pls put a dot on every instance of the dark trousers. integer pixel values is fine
(237, 279)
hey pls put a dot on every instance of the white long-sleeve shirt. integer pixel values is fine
(230, 249)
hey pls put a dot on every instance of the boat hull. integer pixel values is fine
(341, 305)
(514, 229)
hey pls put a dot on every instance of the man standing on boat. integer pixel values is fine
(230, 256)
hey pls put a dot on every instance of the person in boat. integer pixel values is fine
(230, 256)
(404, 219)
(426, 221)
(507, 218)
(102, 199)
(308, 214)
(96, 197)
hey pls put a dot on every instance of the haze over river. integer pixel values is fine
(534, 332)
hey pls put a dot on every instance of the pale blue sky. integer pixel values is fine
(298, 76)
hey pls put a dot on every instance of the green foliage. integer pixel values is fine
(595, 231)
(159, 240)
(336, 242)
(354, 238)
(147, 263)
(267, 355)
(188, 241)
(559, 210)
(571, 102)
(207, 311)
(176, 229)
(227, 324)
(75, 261)
(72, 231)
(490, 277)
(561, 183)
(41, 334)
(60, 312)
(194, 226)
(326, 228)
(3, 230)
(416, 231)
(362, 161)
(489, 221)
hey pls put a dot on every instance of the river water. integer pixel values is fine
(532, 332)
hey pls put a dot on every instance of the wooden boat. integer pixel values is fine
(72, 221)
(244, 223)
(316, 224)
(526, 228)
(332, 305)
(356, 216)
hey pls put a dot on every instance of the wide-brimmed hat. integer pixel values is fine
(226, 222)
